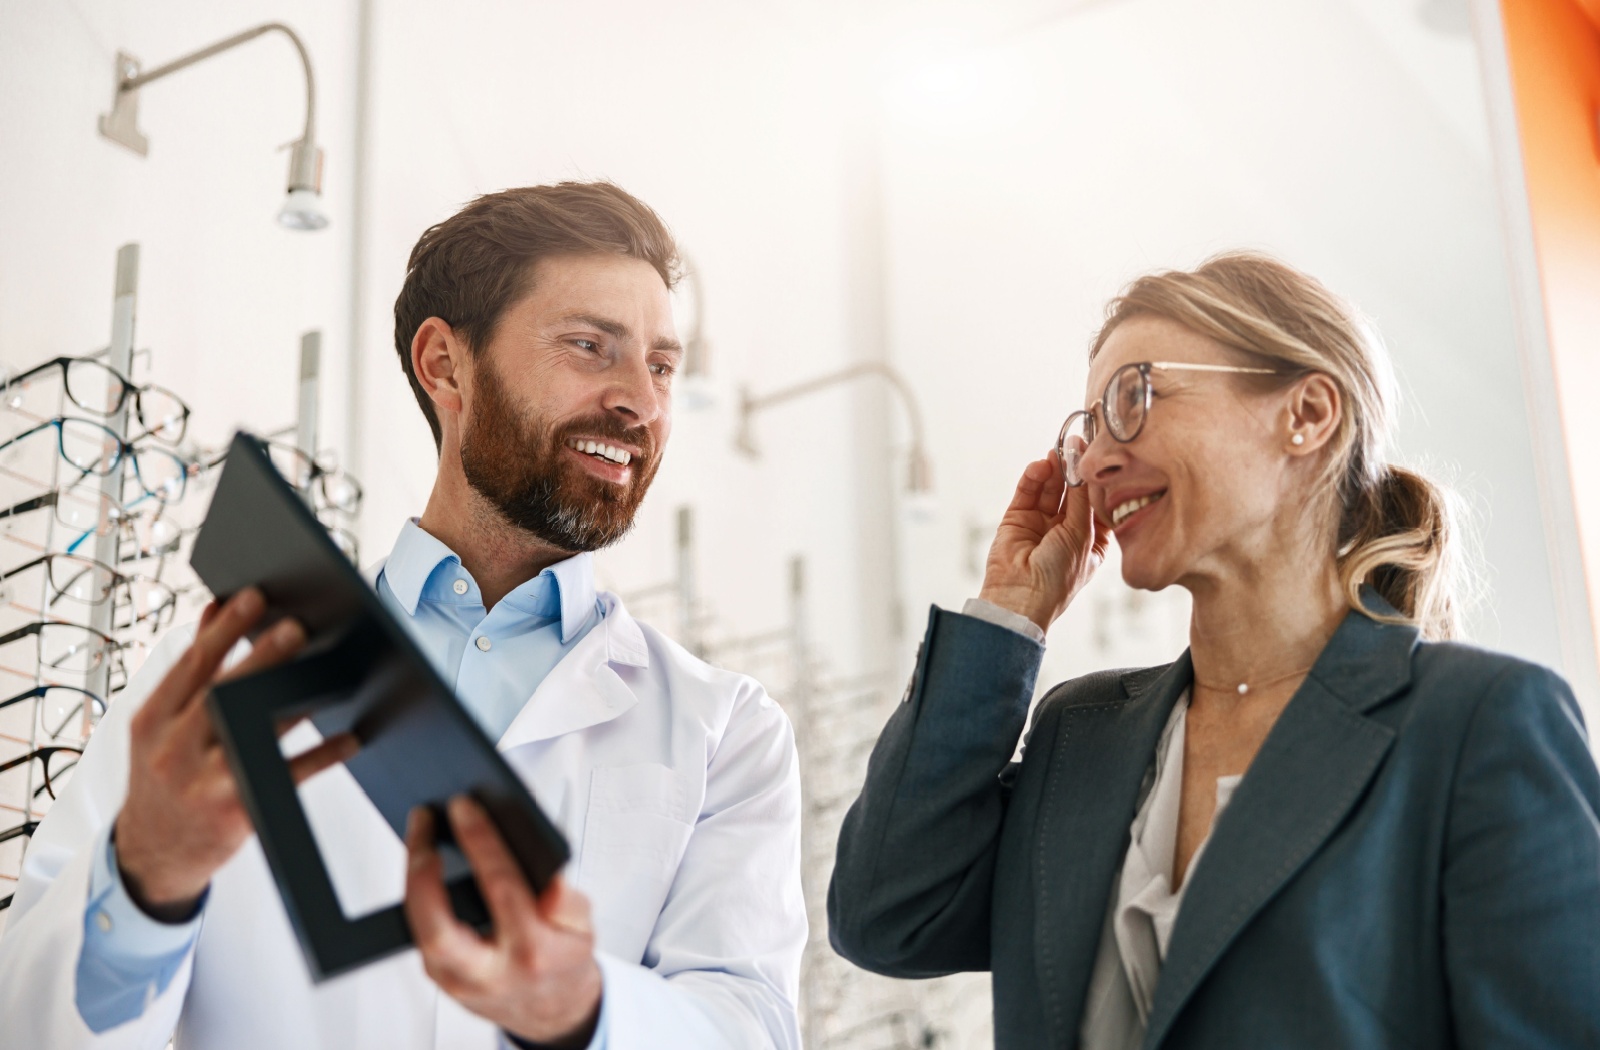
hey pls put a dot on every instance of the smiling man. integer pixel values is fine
(535, 328)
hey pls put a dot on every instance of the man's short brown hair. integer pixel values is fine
(468, 269)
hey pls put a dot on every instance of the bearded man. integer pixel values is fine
(536, 331)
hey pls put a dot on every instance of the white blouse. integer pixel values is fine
(1139, 921)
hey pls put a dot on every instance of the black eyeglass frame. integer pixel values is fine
(125, 389)
(43, 754)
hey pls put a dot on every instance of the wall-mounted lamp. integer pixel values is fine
(918, 499)
(302, 209)
(695, 387)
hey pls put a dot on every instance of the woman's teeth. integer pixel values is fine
(1121, 512)
(602, 450)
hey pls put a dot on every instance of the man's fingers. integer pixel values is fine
(505, 891)
(198, 666)
(274, 646)
(566, 908)
(450, 951)
(330, 752)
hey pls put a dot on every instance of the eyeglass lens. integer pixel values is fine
(94, 387)
(71, 648)
(1124, 403)
(83, 580)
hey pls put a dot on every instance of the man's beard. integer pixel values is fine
(519, 465)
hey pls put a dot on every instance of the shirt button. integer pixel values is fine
(483, 643)
(102, 920)
(460, 586)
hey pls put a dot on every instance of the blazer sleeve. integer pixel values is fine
(1522, 871)
(911, 888)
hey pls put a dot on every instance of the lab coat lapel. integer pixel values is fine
(1096, 773)
(1310, 771)
(584, 689)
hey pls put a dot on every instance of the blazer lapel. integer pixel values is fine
(1097, 765)
(1307, 776)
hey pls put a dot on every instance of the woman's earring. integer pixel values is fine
(1298, 439)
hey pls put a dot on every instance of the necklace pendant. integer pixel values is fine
(1243, 688)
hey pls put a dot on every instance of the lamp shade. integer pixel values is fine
(302, 210)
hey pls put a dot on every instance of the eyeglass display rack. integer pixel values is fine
(100, 521)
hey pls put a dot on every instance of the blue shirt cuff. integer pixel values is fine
(128, 957)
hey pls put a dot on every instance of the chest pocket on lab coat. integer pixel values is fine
(638, 825)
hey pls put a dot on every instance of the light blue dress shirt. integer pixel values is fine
(495, 659)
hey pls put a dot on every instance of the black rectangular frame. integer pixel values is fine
(360, 673)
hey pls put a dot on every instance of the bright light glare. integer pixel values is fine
(936, 86)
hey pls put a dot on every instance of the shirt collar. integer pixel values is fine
(575, 598)
(418, 554)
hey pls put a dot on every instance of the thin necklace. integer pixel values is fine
(1243, 688)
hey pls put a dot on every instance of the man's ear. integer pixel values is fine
(437, 356)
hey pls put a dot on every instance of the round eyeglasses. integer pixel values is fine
(1124, 406)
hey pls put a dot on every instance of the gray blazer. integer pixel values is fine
(1412, 860)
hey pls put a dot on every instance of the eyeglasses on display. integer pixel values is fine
(58, 761)
(92, 448)
(330, 489)
(91, 582)
(67, 647)
(97, 387)
(1124, 407)
(69, 699)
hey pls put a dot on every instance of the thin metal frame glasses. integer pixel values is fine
(1124, 407)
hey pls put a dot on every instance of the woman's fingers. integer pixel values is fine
(1031, 486)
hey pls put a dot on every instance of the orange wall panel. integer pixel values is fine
(1554, 53)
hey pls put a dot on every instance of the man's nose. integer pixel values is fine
(632, 392)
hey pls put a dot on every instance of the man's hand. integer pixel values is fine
(1047, 547)
(536, 975)
(182, 819)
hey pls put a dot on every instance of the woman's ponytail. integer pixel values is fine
(1397, 534)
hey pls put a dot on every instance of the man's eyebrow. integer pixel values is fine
(667, 345)
(615, 329)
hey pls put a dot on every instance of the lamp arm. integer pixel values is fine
(134, 83)
(896, 381)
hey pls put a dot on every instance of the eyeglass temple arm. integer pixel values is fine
(58, 362)
(49, 499)
(8, 442)
(21, 632)
(1183, 366)
(40, 560)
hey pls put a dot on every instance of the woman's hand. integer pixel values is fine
(1046, 548)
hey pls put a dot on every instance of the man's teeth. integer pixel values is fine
(1123, 510)
(604, 451)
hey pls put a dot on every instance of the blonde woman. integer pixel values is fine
(1326, 824)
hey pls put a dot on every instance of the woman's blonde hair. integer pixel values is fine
(1395, 528)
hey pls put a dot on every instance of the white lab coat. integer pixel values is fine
(676, 784)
